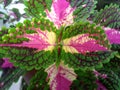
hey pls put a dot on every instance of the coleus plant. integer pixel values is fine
(68, 45)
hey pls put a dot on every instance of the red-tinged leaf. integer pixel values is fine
(81, 44)
(61, 13)
(60, 77)
(42, 40)
(113, 35)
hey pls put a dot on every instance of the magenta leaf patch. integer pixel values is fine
(6, 63)
(100, 85)
(60, 77)
(61, 13)
(113, 35)
(82, 44)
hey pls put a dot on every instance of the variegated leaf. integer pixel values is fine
(42, 40)
(85, 46)
(28, 58)
(63, 12)
(81, 44)
(60, 77)
(30, 45)
(113, 35)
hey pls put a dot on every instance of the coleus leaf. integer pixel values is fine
(100, 86)
(42, 38)
(112, 82)
(114, 63)
(83, 8)
(83, 32)
(9, 76)
(81, 49)
(113, 35)
(87, 61)
(85, 80)
(60, 77)
(109, 17)
(28, 58)
(82, 43)
(62, 11)
(21, 31)
(39, 46)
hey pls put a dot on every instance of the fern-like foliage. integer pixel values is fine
(109, 16)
